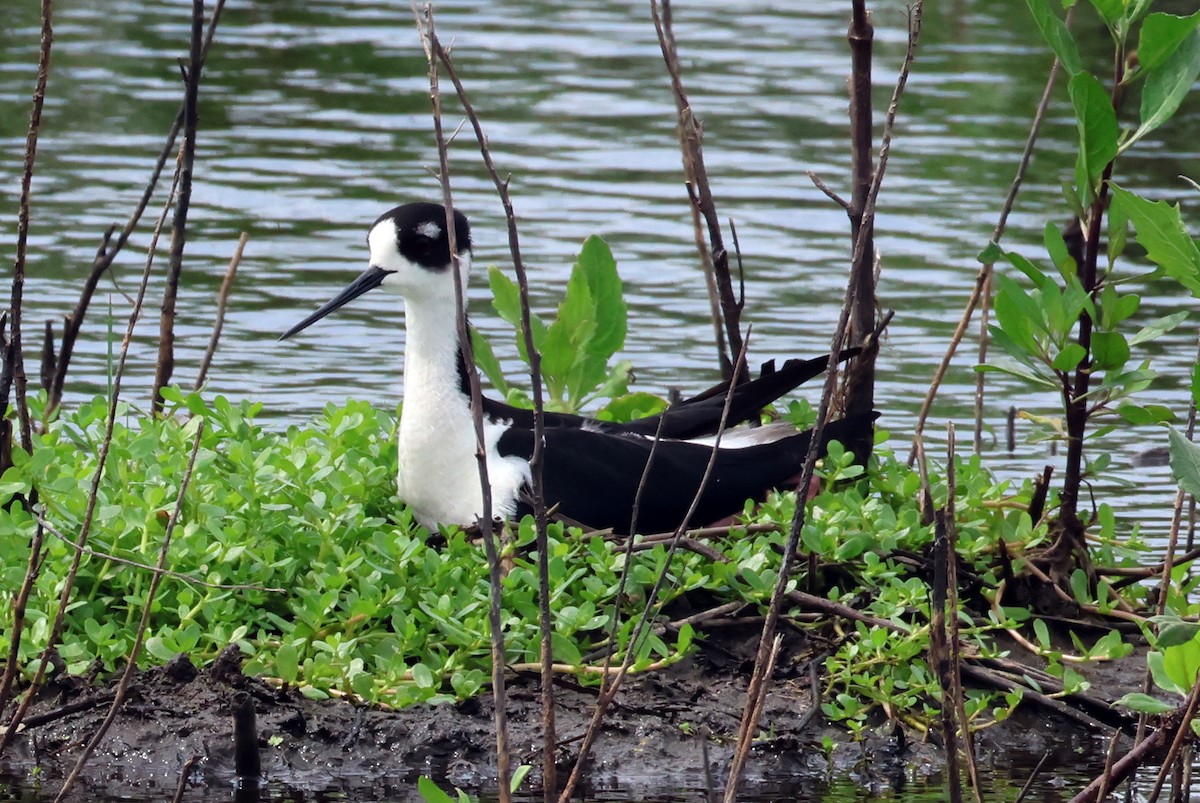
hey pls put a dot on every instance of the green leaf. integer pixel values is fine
(1166, 87)
(486, 360)
(630, 406)
(1069, 358)
(1185, 461)
(1174, 634)
(991, 253)
(1162, 678)
(1161, 36)
(1109, 350)
(1152, 331)
(287, 662)
(1056, 247)
(1118, 233)
(1098, 130)
(430, 792)
(1144, 703)
(1111, 11)
(1056, 34)
(1159, 228)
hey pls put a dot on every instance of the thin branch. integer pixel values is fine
(791, 547)
(691, 135)
(131, 666)
(608, 692)
(165, 366)
(222, 303)
(20, 382)
(983, 279)
(428, 35)
(537, 487)
(93, 492)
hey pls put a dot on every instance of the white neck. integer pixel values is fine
(438, 475)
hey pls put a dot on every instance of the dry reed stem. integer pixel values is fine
(608, 693)
(427, 33)
(93, 492)
(139, 637)
(20, 382)
(222, 303)
(537, 486)
(756, 687)
(165, 366)
(107, 253)
(983, 278)
(691, 136)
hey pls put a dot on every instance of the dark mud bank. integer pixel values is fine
(671, 730)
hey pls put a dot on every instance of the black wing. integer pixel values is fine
(593, 477)
(695, 417)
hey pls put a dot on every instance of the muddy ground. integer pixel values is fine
(655, 742)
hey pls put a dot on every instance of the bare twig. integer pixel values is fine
(186, 578)
(983, 279)
(139, 637)
(608, 693)
(108, 251)
(537, 487)
(791, 547)
(165, 366)
(222, 303)
(20, 382)
(427, 32)
(691, 135)
(93, 492)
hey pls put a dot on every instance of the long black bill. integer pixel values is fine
(369, 279)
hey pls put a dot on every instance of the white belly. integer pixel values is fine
(438, 475)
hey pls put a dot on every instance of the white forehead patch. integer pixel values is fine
(429, 229)
(382, 239)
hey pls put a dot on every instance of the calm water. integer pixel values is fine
(315, 118)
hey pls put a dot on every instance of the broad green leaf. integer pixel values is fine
(1195, 384)
(506, 296)
(1097, 122)
(1144, 703)
(1056, 33)
(1161, 36)
(430, 792)
(600, 270)
(1069, 358)
(1173, 634)
(1181, 662)
(1163, 325)
(287, 662)
(1111, 11)
(1109, 350)
(1166, 86)
(486, 360)
(1162, 678)
(1115, 309)
(1056, 247)
(1185, 462)
(1158, 227)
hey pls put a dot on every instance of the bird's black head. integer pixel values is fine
(407, 244)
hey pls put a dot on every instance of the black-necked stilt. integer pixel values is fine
(592, 470)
